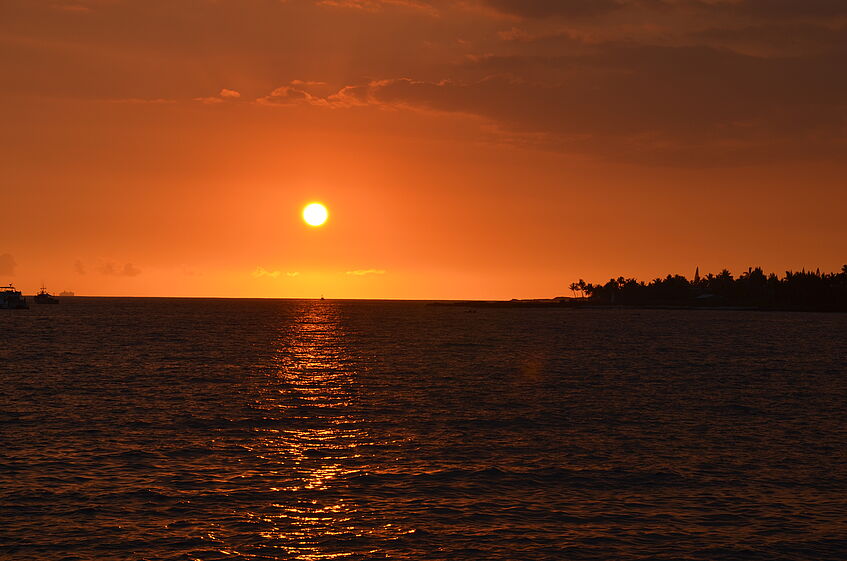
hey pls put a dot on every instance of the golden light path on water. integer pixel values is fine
(319, 442)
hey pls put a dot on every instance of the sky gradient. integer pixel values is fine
(466, 149)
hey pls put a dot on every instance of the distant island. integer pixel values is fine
(753, 289)
(802, 290)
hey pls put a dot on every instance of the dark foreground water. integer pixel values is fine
(227, 429)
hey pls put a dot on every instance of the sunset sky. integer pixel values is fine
(464, 149)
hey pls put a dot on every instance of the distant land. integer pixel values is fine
(752, 290)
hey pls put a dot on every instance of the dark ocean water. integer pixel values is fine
(246, 429)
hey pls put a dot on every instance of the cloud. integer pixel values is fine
(654, 80)
(7, 264)
(208, 100)
(79, 267)
(307, 83)
(785, 9)
(569, 10)
(78, 8)
(130, 271)
(294, 94)
(377, 5)
(142, 101)
(515, 8)
(292, 274)
(261, 272)
(761, 9)
(224, 95)
(679, 105)
(110, 269)
(789, 39)
(548, 8)
(363, 272)
(512, 8)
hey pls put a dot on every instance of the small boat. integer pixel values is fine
(11, 299)
(43, 297)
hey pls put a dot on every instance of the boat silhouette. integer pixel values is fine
(11, 299)
(43, 297)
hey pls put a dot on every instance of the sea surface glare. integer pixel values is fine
(153, 429)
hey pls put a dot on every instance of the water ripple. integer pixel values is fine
(202, 430)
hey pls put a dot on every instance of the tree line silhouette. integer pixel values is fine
(753, 288)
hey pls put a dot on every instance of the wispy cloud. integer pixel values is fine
(363, 272)
(261, 272)
(292, 274)
(142, 101)
(72, 8)
(111, 269)
(293, 95)
(377, 5)
(7, 264)
(79, 267)
(224, 95)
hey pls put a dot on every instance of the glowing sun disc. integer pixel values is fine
(315, 214)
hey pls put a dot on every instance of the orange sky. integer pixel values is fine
(466, 149)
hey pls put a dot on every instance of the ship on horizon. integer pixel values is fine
(11, 299)
(44, 297)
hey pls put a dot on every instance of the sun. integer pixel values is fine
(315, 214)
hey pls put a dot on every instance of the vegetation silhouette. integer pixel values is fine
(794, 291)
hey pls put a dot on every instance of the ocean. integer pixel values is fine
(204, 429)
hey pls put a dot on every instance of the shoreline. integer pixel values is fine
(570, 305)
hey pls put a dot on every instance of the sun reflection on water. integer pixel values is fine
(312, 389)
